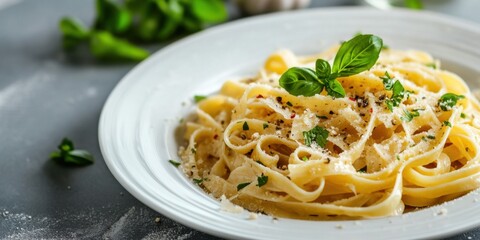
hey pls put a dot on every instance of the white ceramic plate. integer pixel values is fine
(138, 122)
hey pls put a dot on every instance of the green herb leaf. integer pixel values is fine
(262, 180)
(300, 81)
(398, 93)
(289, 104)
(447, 123)
(304, 158)
(322, 69)
(174, 163)
(449, 100)
(334, 88)
(388, 81)
(321, 117)
(265, 125)
(68, 155)
(357, 55)
(105, 46)
(199, 98)
(245, 126)
(242, 185)
(112, 17)
(414, 4)
(432, 65)
(73, 33)
(173, 11)
(408, 116)
(316, 134)
(462, 115)
(210, 11)
(430, 136)
(198, 180)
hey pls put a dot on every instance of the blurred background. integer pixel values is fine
(59, 60)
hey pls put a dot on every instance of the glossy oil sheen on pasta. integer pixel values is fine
(374, 163)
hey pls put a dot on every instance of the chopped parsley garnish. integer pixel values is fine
(408, 116)
(242, 185)
(316, 134)
(431, 65)
(262, 180)
(198, 180)
(304, 158)
(245, 126)
(449, 100)
(447, 123)
(398, 158)
(398, 92)
(289, 104)
(194, 151)
(321, 117)
(462, 115)
(199, 98)
(265, 125)
(388, 81)
(430, 136)
(354, 56)
(174, 163)
(68, 155)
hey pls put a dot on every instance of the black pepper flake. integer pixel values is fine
(279, 99)
(331, 112)
(362, 114)
(289, 104)
(328, 160)
(382, 97)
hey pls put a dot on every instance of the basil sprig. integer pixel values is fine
(67, 154)
(354, 56)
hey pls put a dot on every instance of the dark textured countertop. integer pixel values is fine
(45, 96)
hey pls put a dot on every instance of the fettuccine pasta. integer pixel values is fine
(248, 142)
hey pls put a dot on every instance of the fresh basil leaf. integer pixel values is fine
(67, 154)
(66, 145)
(148, 26)
(322, 69)
(357, 55)
(242, 185)
(316, 134)
(209, 11)
(105, 46)
(300, 81)
(334, 88)
(173, 12)
(448, 100)
(112, 17)
(262, 180)
(79, 157)
(73, 33)
(414, 4)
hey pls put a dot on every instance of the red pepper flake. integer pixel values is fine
(293, 115)
(352, 99)
(215, 136)
(371, 110)
(259, 96)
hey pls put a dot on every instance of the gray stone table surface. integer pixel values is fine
(45, 96)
